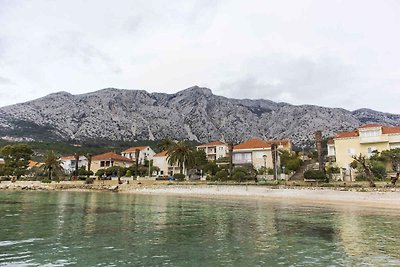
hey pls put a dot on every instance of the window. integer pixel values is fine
(371, 151)
(101, 163)
(351, 151)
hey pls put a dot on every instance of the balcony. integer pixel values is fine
(374, 139)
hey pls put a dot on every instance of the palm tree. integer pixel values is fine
(52, 163)
(76, 156)
(181, 153)
(165, 144)
(89, 162)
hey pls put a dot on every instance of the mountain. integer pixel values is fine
(192, 114)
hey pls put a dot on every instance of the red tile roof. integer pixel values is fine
(133, 149)
(68, 158)
(110, 156)
(391, 129)
(331, 141)
(161, 154)
(347, 134)
(253, 143)
(214, 143)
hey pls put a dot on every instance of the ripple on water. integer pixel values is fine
(17, 242)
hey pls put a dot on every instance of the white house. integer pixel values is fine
(161, 161)
(68, 163)
(145, 153)
(214, 150)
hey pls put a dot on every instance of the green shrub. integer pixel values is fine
(128, 173)
(378, 169)
(222, 175)
(315, 175)
(47, 181)
(179, 176)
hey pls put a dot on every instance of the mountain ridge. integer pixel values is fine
(194, 114)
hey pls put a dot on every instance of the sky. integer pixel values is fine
(329, 53)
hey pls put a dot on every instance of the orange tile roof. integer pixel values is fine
(330, 141)
(278, 142)
(68, 158)
(133, 149)
(161, 154)
(391, 129)
(110, 156)
(32, 164)
(347, 134)
(214, 143)
(253, 143)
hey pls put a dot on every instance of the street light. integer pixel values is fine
(265, 166)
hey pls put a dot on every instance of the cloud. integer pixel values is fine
(4, 81)
(290, 79)
(315, 52)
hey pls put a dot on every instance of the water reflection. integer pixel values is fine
(113, 229)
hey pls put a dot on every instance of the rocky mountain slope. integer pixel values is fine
(193, 114)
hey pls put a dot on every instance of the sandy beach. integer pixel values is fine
(373, 197)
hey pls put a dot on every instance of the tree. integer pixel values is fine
(182, 154)
(137, 153)
(52, 164)
(362, 162)
(392, 156)
(76, 157)
(165, 144)
(290, 161)
(16, 159)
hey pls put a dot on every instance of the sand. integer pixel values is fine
(379, 197)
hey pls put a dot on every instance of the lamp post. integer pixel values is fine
(265, 166)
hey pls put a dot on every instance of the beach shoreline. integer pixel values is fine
(370, 197)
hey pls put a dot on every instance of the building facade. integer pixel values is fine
(145, 153)
(363, 140)
(258, 152)
(110, 159)
(68, 163)
(214, 150)
(161, 161)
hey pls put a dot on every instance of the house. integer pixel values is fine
(34, 164)
(214, 150)
(145, 153)
(109, 159)
(161, 161)
(68, 163)
(258, 152)
(363, 140)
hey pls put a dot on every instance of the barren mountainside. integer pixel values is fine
(193, 114)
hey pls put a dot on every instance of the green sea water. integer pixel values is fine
(111, 229)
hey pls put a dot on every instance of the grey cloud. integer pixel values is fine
(5, 81)
(298, 80)
(75, 45)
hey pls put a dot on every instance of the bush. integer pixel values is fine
(222, 175)
(89, 180)
(378, 169)
(179, 176)
(128, 173)
(315, 175)
(47, 181)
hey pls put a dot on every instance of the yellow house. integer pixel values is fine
(109, 159)
(258, 152)
(363, 140)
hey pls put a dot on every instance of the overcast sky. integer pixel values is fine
(328, 53)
